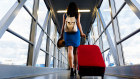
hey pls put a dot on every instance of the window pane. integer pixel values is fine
(13, 51)
(53, 28)
(128, 21)
(105, 42)
(51, 48)
(44, 40)
(5, 5)
(110, 30)
(42, 12)
(131, 50)
(138, 1)
(91, 37)
(97, 43)
(41, 59)
(109, 61)
(21, 24)
(38, 33)
(118, 3)
(51, 63)
(105, 10)
(95, 30)
(52, 36)
(29, 5)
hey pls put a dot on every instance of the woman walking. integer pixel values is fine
(72, 40)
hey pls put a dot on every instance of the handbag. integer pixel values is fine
(60, 43)
(70, 24)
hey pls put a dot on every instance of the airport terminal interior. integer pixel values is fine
(30, 29)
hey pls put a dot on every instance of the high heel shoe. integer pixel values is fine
(75, 73)
(71, 72)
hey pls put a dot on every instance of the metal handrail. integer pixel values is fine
(14, 33)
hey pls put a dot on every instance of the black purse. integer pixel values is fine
(60, 43)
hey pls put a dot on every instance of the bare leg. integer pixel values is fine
(70, 56)
(75, 58)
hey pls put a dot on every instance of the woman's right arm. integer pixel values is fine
(62, 30)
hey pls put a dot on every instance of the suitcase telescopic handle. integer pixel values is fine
(85, 38)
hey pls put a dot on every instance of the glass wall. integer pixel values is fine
(128, 23)
(105, 10)
(41, 59)
(138, 1)
(22, 23)
(29, 5)
(13, 51)
(109, 61)
(4, 8)
(131, 50)
(42, 12)
(105, 42)
(95, 29)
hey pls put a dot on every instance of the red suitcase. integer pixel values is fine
(90, 61)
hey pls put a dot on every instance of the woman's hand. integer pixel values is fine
(61, 36)
(83, 35)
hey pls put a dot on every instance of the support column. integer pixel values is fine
(99, 32)
(55, 48)
(92, 29)
(58, 58)
(48, 59)
(116, 32)
(33, 33)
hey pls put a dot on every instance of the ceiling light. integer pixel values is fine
(64, 11)
(84, 10)
(61, 11)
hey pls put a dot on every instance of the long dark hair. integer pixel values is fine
(72, 10)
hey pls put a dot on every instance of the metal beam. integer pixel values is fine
(112, 47)
(47, 58)
(116, 31)
(33, 33)
(134, 6)
(92, 29)
(9, 16)
(39, 42)
(130, 35)
(55, 48)
(99, 32)
(21, 37)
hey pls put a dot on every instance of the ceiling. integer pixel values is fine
(86, 18)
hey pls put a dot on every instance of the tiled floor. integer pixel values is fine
(65, 75)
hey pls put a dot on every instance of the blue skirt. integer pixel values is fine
(72, 39)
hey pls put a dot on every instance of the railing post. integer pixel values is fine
(55, 47)
(33, 33)
(48, 57)
(99, 32)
